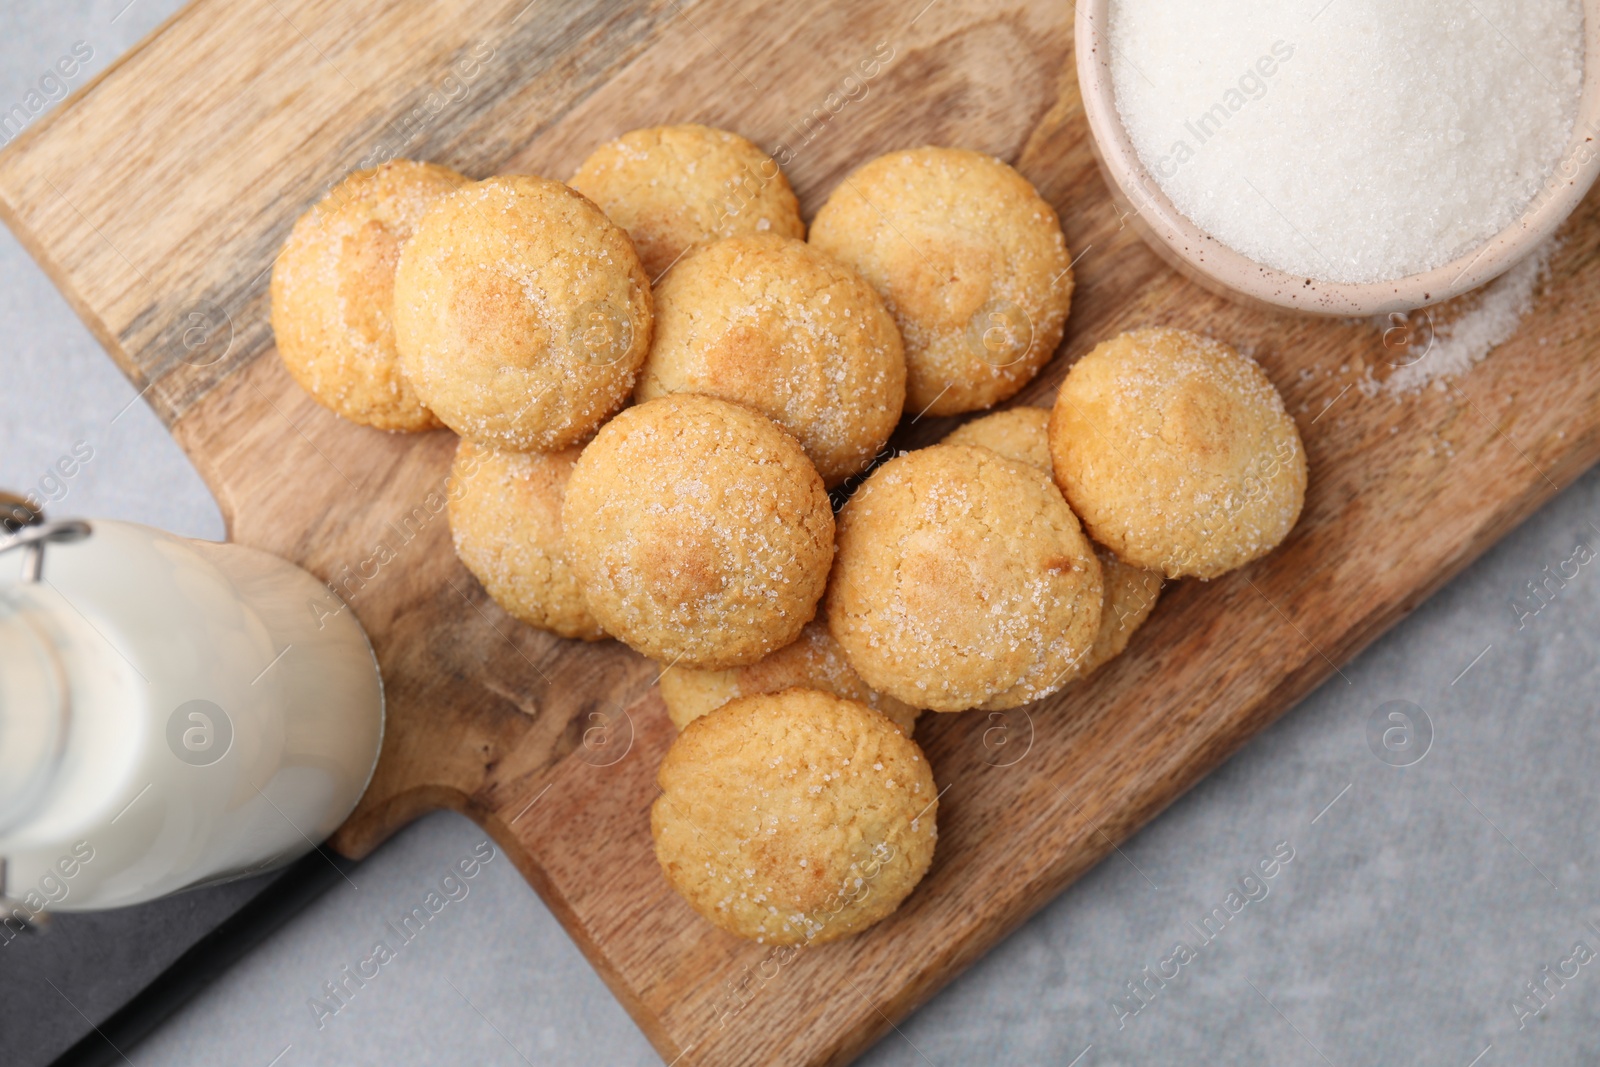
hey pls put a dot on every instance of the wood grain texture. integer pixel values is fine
(169, 183)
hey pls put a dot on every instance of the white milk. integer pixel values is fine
(172, 713)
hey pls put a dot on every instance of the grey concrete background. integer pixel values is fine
(1419, 902)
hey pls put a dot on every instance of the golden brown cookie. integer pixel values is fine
(505, 518)
(796, 817)
(814, 661)
(333, 293)
(1177, 452)
(971, 262)
(521, 313)
(1022, 434)
(962, 580)
(1130, 596)
(774, 324)
(700, 532)
(672, 187)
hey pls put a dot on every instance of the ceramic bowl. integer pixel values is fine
(1221, 269)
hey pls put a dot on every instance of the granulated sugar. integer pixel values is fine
(1457, 339)
(1349, 140)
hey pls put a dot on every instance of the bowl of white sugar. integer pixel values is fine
(1344, 157)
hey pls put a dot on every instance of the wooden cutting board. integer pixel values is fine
(158, 195)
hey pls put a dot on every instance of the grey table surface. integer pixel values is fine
(1422, 905)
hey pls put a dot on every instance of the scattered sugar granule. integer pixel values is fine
(1349, 140)
(1489, 317)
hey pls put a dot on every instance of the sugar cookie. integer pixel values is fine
(962, 580)
(333, 293)
(505, 519)
(774, 324)
(970, 261)
(521, 313)
(814, 661)
(1130, 595)
(1177, 452)
(672, 187)
(796, 817)
(1021, 434)
(699, 530)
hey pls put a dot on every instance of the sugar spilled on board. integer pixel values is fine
(1430, 346)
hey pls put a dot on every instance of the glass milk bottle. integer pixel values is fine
(172, 713)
